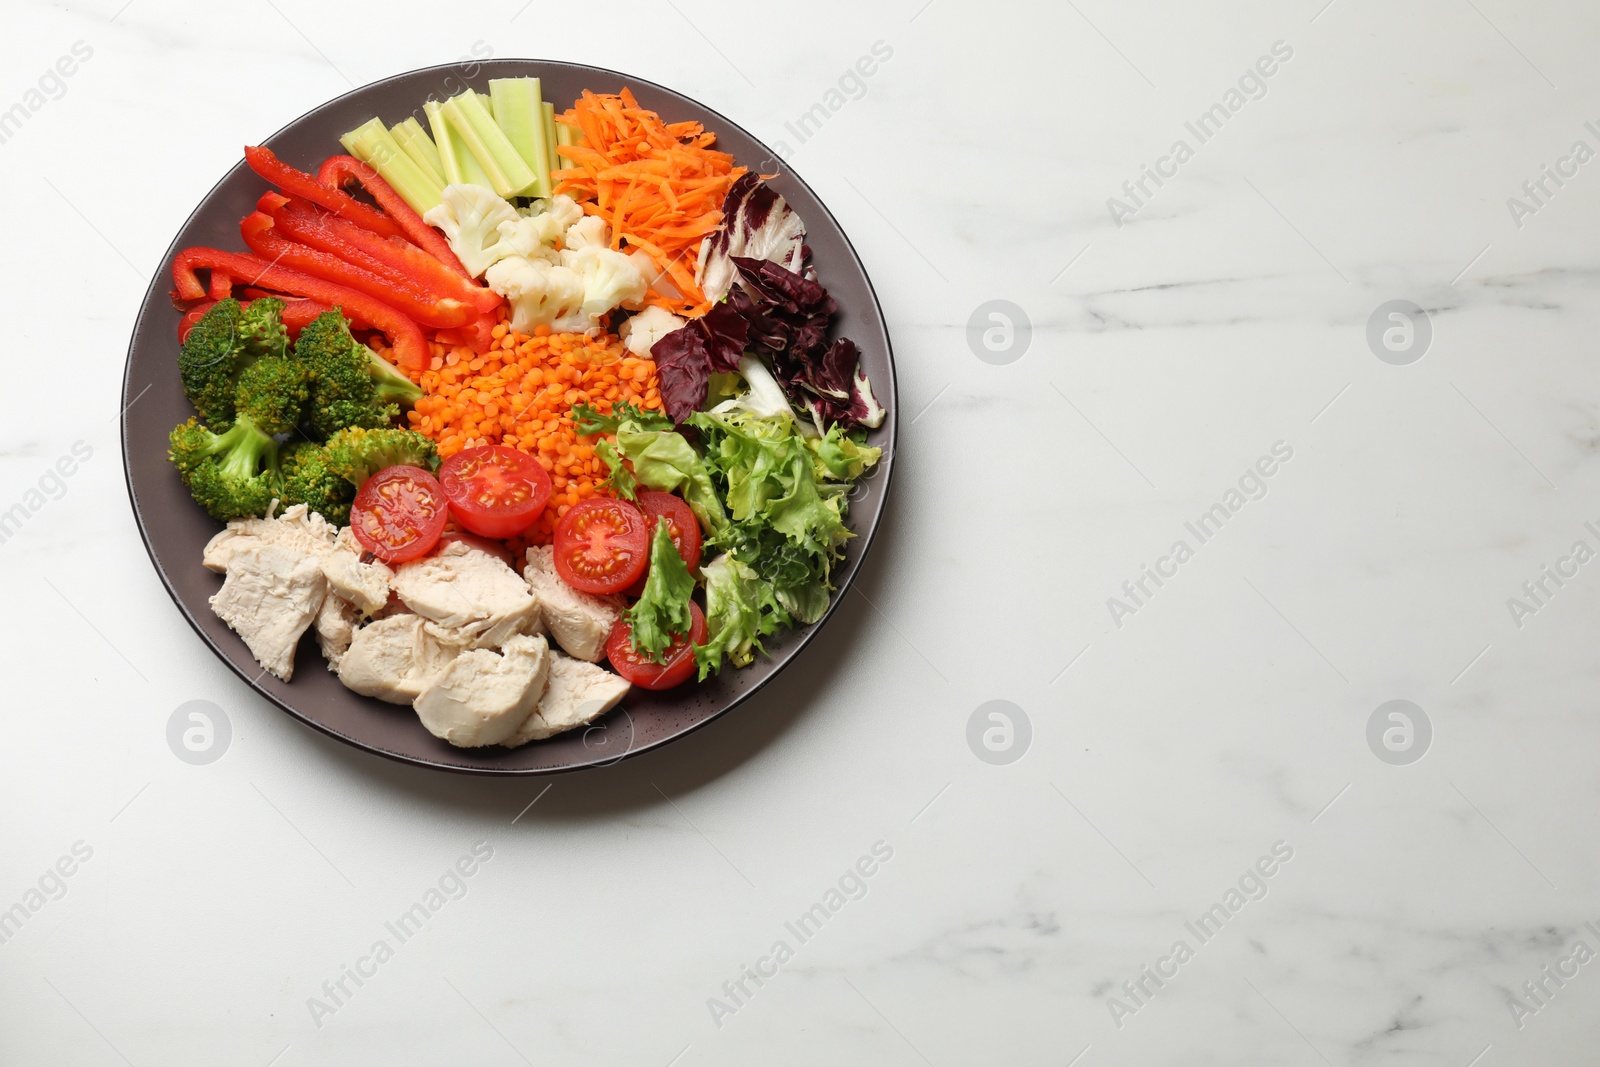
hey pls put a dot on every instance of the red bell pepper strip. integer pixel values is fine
(299, 183)
(260, 236)
(297, 312)
(338, 171)
(409, 342)
(400, 261)
(221, 286)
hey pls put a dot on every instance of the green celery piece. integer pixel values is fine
(508, 174)
(371, 143)
(519, 112)
(460, 166)
(556, 162)
(415, 142)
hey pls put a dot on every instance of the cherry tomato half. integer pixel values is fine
(682, 526)
(602, 545)
(494, 491)
(645, 673)
(399, 513)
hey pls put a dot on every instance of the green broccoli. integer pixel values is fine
(273, 392)
(261, 326)
(350, 385)
(225, 341)
(357, 454)
(308, 480)
(233, 474)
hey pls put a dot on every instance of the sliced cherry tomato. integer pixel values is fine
(602, 545)
(494, 491)
(682, 526)
(644, 672)
(399, 513)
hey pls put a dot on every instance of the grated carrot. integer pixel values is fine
(660, 186)
(521, 392)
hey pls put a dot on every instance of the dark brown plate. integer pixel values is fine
(175, 530)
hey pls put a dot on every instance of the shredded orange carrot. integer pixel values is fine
(521, 394)
(660, 186)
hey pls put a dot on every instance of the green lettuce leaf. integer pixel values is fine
(663, 611)
(665, 460)
(620, 480)
(740, 610)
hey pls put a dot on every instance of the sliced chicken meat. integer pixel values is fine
(395, 659)
(483, 696)
(469, 592)
(580, 623)
(270, 596)
(576, 694)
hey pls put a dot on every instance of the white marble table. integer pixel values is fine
(1198, 794)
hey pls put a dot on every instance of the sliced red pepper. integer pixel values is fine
(299, 183)
(221, 286)
(338, 171)
(260, 236)
(389, 257)
(409, 342)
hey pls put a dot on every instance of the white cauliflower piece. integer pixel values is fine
(642, 331)
(610, 280)
(470, 217)
(540, 291)
(591, 231)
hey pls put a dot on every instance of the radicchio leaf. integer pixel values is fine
(686, 358)
(757, 223)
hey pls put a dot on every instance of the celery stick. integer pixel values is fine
(556, 162)
(371, 143)
(467, 116)
(460, 167)
(415, 142)
(519, 113)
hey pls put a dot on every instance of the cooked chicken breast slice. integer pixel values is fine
(469, 592)
(483, 696)
(297, 528)
(271, 595)
(576, 694)
(364, 585)
(336, 627)
(394, 659)
(580, 623)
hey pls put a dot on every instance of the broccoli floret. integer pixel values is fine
(357, 454)
(233, 474)
(345, 378)
(226, 341)
(273, 392)
(261, 326)
(209, 365)
(308, 480)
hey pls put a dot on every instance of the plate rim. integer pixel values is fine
(865, 539)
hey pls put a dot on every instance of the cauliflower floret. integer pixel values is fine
(470, 217)
(540, 291)
(642, 331)
(610, 280)
(590, 231)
